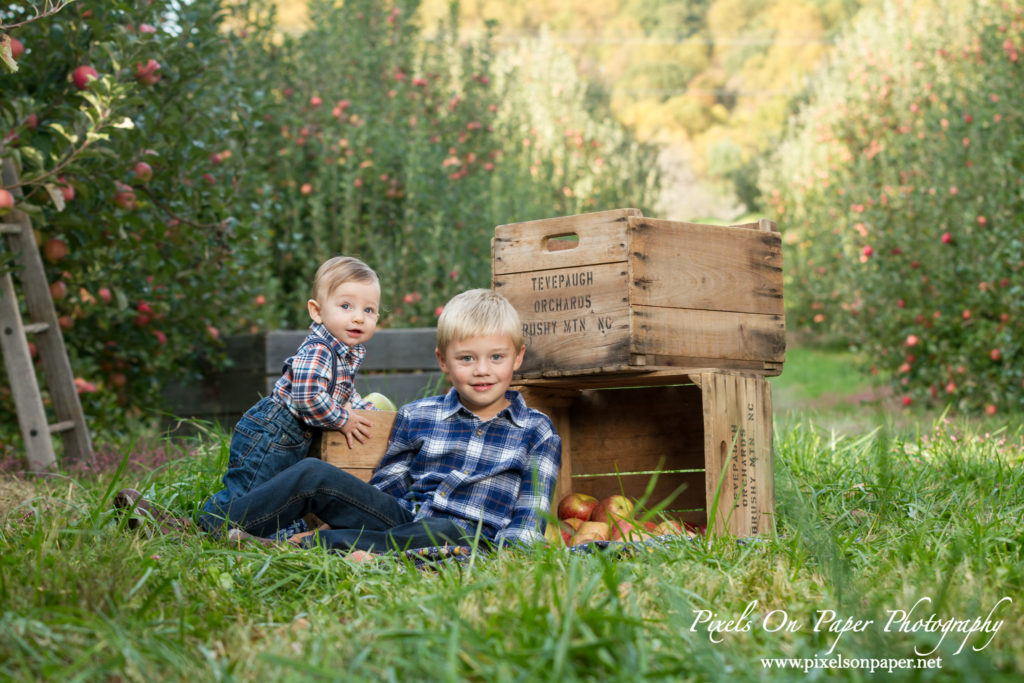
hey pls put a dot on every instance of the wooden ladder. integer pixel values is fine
(60, 381)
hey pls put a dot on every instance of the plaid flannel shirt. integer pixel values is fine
(307, 377)
(444, 461)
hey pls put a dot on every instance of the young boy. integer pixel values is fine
(473, 461)
(315, 390)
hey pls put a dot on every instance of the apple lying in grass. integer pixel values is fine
(612, 508)
(576, 505)
(624, 530)
(591, 531)
(554, 535)
(671, 527)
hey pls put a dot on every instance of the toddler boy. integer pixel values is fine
(315, 390)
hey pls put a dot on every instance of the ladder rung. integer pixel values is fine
(65, 426)
(34, 328)
(12, 228)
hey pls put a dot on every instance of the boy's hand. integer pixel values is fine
(357, 427)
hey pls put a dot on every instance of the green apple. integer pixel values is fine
(380, 401)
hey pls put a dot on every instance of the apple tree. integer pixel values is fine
(110, 113)
(900, 191)
(405, 145)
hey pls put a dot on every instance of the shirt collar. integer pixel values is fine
(516, 411)
(341, 348)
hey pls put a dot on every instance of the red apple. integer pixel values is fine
(6, 202)
(315, 101)
(143, 172)
(306, 189)
(118, 379)
(66, 322)
(58, 290)
(995, 354)
(611, 508)
(17, 49)
(83, 386)
(54, 250)
(105, 295)
(66, 189)
(578, 505)
(125, 196)
(147, 73)
(573, 522)
(621, 530)
(82, 75)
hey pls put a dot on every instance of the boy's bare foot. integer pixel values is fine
(130, 500)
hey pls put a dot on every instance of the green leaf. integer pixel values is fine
(58, 129)
(5, 53)
(56, 196)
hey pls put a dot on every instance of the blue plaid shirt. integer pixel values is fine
(444, 461)
(303, 386)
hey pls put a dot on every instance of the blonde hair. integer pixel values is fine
(478, 313)
(336, 271)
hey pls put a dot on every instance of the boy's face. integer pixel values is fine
(349, 312)
(480, 369)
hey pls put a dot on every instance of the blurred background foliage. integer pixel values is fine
(275, 134)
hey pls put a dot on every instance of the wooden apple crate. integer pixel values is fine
(615, 292)
(712, 437)
(615, 440)
(332, 447)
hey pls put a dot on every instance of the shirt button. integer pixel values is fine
(479, 432)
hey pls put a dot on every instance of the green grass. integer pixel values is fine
(868, 521)
(865, 525)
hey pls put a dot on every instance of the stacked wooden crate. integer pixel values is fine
(648, 344)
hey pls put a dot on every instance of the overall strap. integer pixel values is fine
(334, 360)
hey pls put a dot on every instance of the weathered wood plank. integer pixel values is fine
(739, 453)
(725, 335)
(710, 267)
(528, 246)
(387, 349)
(575, 318)
(21, 376)
(332, 446)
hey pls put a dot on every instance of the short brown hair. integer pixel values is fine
(336, 271)
(476, 313)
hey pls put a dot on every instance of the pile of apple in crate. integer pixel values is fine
(583, 518)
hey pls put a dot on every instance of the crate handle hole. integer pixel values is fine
(563, 242)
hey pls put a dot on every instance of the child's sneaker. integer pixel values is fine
(237, 537)
(131, 501)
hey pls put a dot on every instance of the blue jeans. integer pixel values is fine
(267, 440)
(360, 516)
